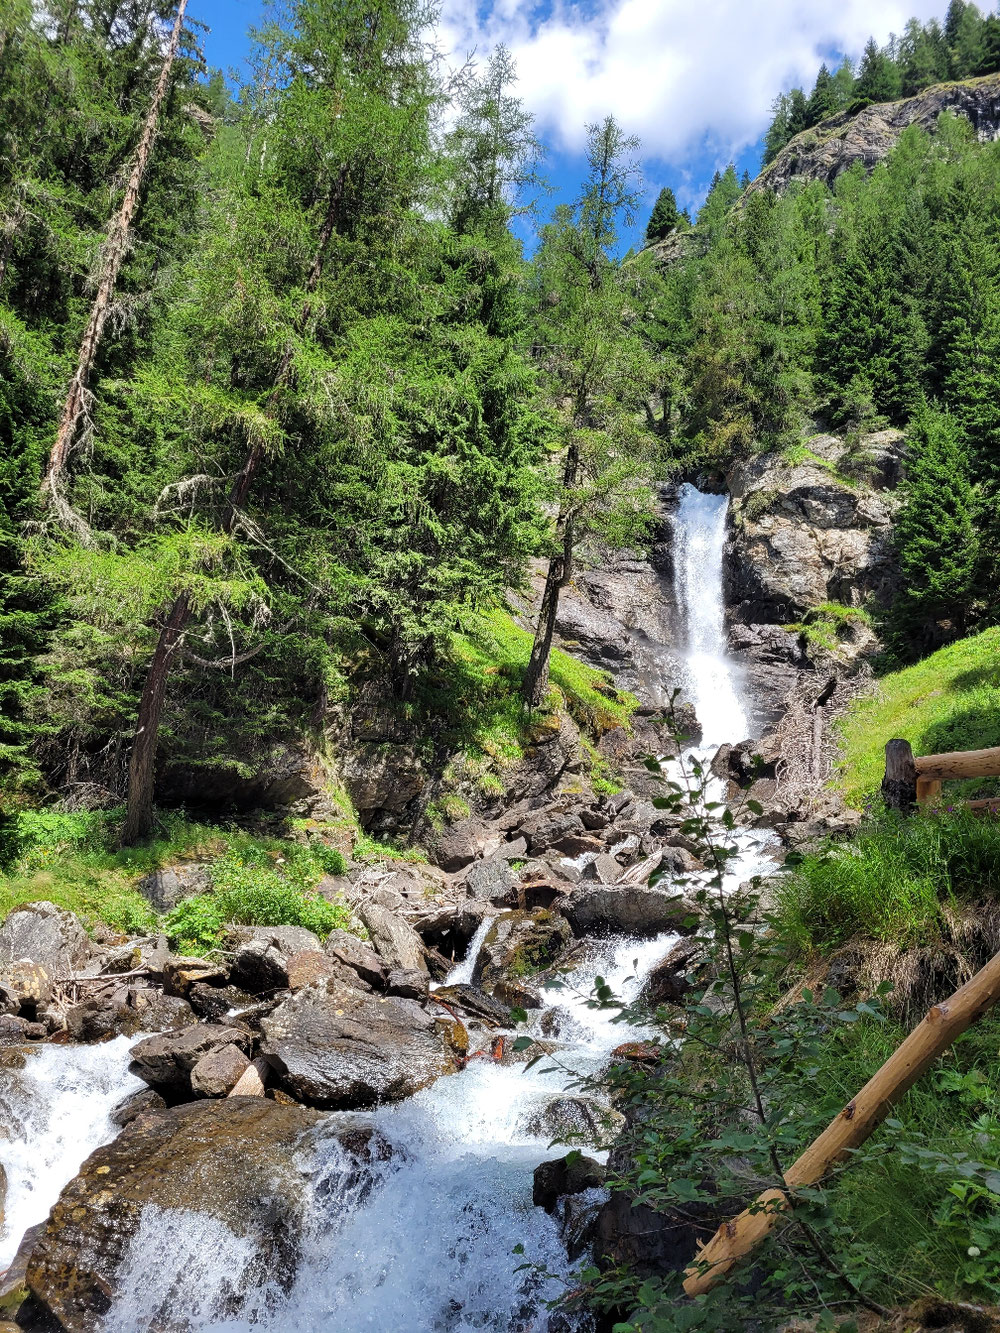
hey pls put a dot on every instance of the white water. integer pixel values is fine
(54, 1114)
(423, 1242)
(713, 677)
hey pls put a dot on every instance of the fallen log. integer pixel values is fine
(862, 1115)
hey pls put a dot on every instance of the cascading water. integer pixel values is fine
(713, 678)
(54, 1114)
(424, 1241)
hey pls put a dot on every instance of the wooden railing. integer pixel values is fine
(915, 780)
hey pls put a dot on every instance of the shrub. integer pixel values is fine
(251, 892)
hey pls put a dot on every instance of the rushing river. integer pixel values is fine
(426, 1245)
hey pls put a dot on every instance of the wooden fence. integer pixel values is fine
(915, 780)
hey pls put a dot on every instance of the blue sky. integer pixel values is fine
(693, 81)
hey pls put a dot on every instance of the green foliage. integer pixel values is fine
(664, 218)
(251, 887)
(949, 701)
(891, 880)
(935, 529)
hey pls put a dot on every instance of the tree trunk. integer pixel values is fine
(899, 786)
(142, 760)
(536, 676)
(114, 251)
(853, 1125)
(139, 813)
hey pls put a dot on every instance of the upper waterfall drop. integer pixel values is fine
(713, 677)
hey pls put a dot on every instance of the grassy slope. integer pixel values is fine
(949, 701)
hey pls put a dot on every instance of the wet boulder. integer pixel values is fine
(636, 911)
(334, 1047)
(519, 945)
(135, 1104)
(166, 1061)
(571, 1174)
(670, 979)
(100, 1016)
(236, 1160)
(180, 973)
(393, 939)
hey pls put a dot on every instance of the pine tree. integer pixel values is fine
(798, 112)
(989, 58)
(823, 99)
(878, 79)
(935, 531)
(778, 132)
(664, 217)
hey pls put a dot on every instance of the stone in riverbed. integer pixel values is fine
(135, 1104)
(642, 912)
(394, 940)
(336, 1048)
(166, 1061)
(565, 1175)
(348, 951)
(234, 1159)
(218, 1072)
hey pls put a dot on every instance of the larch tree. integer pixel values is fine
(598, 375)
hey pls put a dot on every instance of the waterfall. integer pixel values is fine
(713, 678)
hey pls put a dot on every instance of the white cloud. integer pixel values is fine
(681, 75)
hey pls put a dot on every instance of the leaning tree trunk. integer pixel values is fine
(114, 250)
(139, 814)
(142, 759)
(536, 676)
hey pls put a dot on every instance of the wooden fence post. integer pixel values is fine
(852, 1126)
(899, 786)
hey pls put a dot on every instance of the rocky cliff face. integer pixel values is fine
(833, 146)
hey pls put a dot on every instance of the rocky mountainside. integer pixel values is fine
(868, 136)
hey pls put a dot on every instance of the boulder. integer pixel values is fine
(492, 881)
(165, 888)
(451, 928)
(14, 1281)
(604, 869)
(348, 951)
(454, 846)
(286, 939)
(98, 1017)
(143, 1102)
(236, 1160)
(259, 966)
(218, 1072)
(408, 983)
(647, 1242)
(576, 1120)
(668, 982)
(336, 1048)
(15, 1030)
(46, 935)
(311, 966)
(166, 1061)
(180, 973)
(393, 939)
(571, 1174)
(217, 1003)
(149, 953)
(546, 829)
(641, 912)
(518, 945)
(475, 1002)
(26, 986)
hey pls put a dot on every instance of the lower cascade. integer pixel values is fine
(421, 1235)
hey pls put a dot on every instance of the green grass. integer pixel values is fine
(826, 624)
(490, 656)
(71, 859)
(949, 701)
(889, 881)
